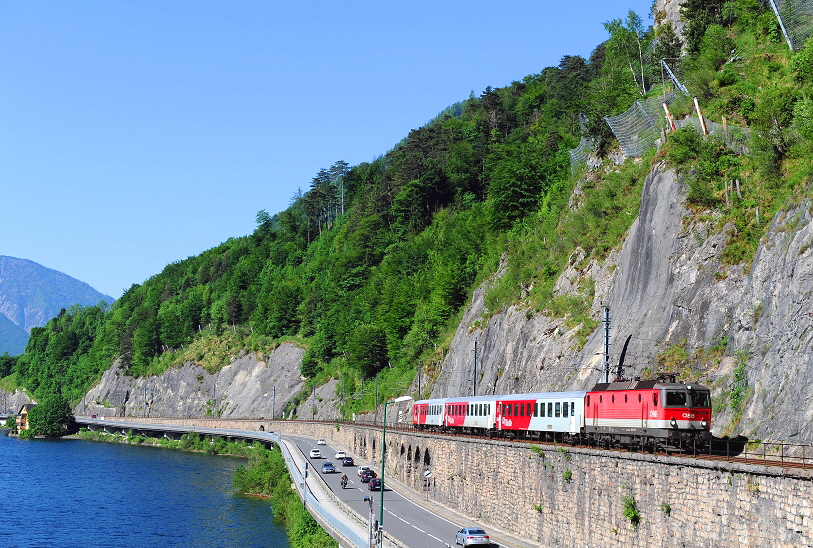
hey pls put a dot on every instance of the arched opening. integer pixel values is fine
(427, 461)
(417, 454)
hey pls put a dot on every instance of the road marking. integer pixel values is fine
(434, 537)
(419, 529)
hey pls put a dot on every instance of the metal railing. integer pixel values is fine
(340, 526)
(778, 454)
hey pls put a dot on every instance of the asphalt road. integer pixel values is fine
(408, 522)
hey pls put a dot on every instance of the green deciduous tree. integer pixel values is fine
(52, 418)
(367, 350)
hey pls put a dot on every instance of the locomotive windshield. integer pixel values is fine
(701, 399)
(684, 398)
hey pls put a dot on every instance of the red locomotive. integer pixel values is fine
(648, 413)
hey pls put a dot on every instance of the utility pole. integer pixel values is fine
(375, 421)
(273, 401)
(145, 400)
(606, 374)
(369, 501)
(420, 368)
(474, 380)
(313, 403)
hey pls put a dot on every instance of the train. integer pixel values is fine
(659, 413)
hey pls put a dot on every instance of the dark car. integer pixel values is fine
(374, 485)
(367, 476)
(348, 461)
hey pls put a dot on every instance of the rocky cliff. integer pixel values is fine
(245, 388)
(668, 290)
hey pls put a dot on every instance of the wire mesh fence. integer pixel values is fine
(796, 19)
(638, 128)
(586, 145)
(735, 137)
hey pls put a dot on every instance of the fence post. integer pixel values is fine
(700, 115)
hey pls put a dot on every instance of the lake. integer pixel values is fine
(80, 493)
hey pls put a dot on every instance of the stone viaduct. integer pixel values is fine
(565, 496)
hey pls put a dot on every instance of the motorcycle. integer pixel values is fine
(344, 482)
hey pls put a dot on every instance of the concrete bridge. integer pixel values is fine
(556, 495)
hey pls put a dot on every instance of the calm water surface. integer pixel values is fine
(89, 494)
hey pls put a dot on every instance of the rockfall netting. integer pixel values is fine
(796, 19)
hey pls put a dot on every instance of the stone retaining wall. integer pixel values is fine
(562, 496)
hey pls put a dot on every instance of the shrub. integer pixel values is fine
(631, 511)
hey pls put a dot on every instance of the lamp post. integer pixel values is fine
(383, 456)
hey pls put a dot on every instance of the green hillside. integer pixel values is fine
(370, 268)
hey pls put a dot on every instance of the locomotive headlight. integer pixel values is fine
(673, 422)
(704, 424)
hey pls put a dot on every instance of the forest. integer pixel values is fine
(370, 267)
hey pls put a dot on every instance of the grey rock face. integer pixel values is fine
(243, 389)
(666, 285)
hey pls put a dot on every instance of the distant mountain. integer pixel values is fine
(31, 294)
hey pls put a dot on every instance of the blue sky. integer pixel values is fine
(136, 134)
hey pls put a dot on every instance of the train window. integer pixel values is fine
(625, 398)
(528, 409)
(558, 409)
(521, 410)
(516, 410)
(675, 398)
(600, 399)
(588, 401)
(542, 409)
(573, 409)
(639, 398)
(701, 399)
(536, 409)
(612, 398)
(550, 409)
(655, 399)
(565, 409)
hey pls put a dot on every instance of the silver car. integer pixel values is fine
(471, 536)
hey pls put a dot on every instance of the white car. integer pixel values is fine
(316, 454)
(469, 536)
(321, 441)
(363, 469)
(340, 455)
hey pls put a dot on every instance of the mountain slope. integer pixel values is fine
(31, 294)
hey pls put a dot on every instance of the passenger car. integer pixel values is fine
(321, 441)
(328, 468)
(470, 536)
(375, 484)
(340, 455)
(316, 454)
(367, 476)
(362, 469)
(348, 461)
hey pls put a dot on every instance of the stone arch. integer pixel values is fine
(402, 449)
(427, 461)
(417, 454)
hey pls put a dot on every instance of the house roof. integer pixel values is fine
(26, 408)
